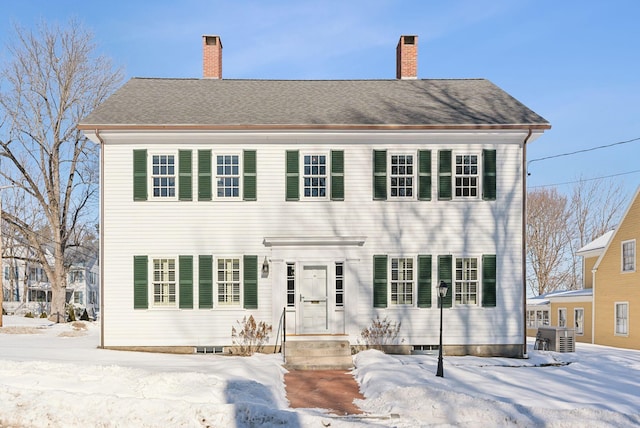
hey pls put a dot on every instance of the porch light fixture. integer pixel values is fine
(265, 266)
(442, 292)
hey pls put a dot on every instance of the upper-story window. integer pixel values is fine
(401, 177)
(629, 256)
(228, 176)
(174, 176)
(467, 175)
(467, 181)
(163, 176)
(314, 176)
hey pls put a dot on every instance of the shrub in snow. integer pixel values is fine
(381, 332)
(250, 336)
(43, 315)
(28, 315)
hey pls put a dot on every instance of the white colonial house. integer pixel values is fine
(334, 201)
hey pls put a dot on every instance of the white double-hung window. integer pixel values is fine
(164, 282)
(466, 281)
(401, 177)
(163, 176)
(228, 176)
(314, 175)
(629, 256)
(402, 278)
(467, 178)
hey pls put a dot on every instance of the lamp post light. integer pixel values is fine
(442, 292)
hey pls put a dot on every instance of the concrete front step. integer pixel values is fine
(318, 355)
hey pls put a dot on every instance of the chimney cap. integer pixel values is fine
(212, 39)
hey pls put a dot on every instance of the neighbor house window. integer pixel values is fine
(163, 176)
(164, 282)
(339, 284)
(77, 297)
(291, 285)
(229, 281)
(531, 319)
(466, 176)
(401, 176)
(629, 256)
(622, 319)
(562, 317)
(314, 176)
(578, 317)
(542, 318)
(401, 281)
(228, 176)
(466, 282)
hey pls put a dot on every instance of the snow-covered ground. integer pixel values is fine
(55, 376)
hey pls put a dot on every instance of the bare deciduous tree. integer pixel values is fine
(52, 80)
(557, 227)
(547, 240)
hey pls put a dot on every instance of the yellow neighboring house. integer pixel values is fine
(570, 308)
(616, 284)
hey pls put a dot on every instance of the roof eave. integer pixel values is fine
(239, 127)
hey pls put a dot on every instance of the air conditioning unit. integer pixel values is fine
(559, 339)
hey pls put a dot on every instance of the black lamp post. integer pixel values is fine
(442, 292)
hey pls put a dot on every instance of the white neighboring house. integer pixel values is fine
(332, 201)
(25, 284)
(83, 290)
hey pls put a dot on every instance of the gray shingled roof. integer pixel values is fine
(219, 103)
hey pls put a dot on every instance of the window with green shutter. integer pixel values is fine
(489, 280)
(424, 175)
(139, 175)
(379, 174)
(205, 282)
(424, 281)
(249, 175)
(204, 175)
(185, 282)
(140, 282)
(292, 176)
(250, 276)
(444, 174)
(380, 281)
(445, 273)
(489, 166)
(185, 192)
(337, 175)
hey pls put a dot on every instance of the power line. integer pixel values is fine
(586, 179)
(582, 151)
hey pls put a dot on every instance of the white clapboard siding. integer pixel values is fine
(237, 228)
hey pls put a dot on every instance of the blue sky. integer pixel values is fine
(576, 63)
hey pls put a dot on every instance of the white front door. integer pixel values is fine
(313, 297)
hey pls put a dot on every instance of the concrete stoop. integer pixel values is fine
(318, 355)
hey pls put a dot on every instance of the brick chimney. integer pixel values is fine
(407, 58)
(211, 57)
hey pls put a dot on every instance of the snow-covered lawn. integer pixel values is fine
(55, 376)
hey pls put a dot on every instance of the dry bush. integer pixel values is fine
(250, 336)
(381, 332)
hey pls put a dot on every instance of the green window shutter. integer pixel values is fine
(424, 281)
(249, 177)
(185, 275)
(444, 175)
(489, 280)
(445, 273)
(139, 175)
(140, 282)
(379, 175)
(424, 175)
(489, 165)
(250, 282)
(185, 186)
(379, 281)
(205, 282)
(204, 175)
(293, 180)
(337, 175)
